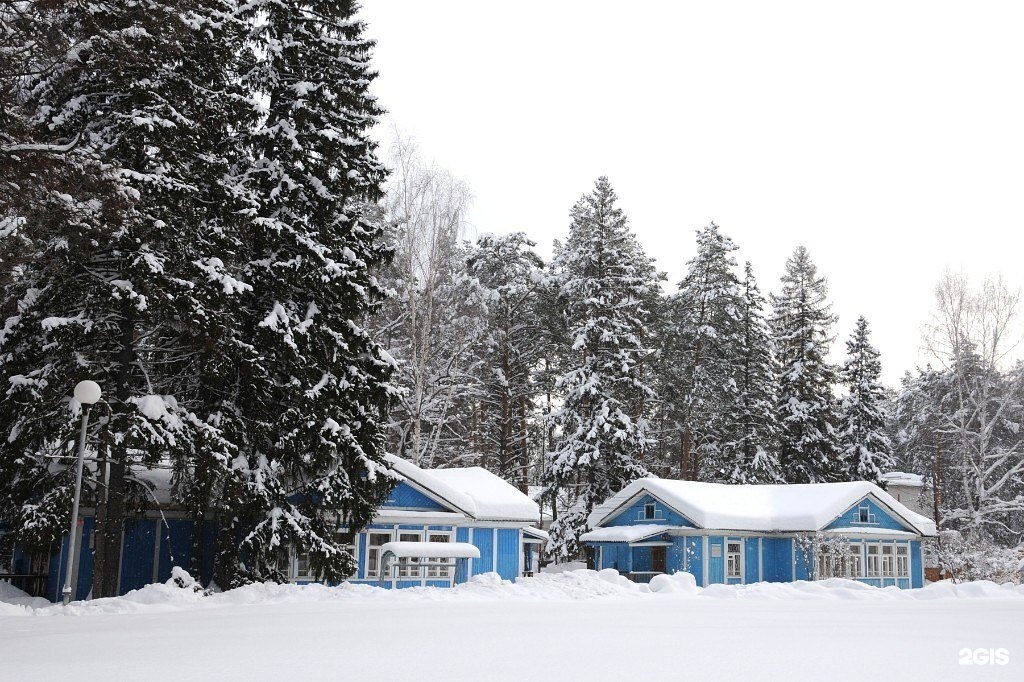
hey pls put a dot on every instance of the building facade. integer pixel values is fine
(737, 534)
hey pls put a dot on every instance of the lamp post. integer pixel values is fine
(87, 393)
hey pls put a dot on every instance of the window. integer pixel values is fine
(903, 561)
(374, 541)
(734, 560)
(649, 512)
(303, 567)
(439, 571)
(347, 540)
(888, 562)
(864, 515)
(855, 561)
(873, 563)
(409, 571)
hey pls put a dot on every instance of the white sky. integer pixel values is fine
(887, 137)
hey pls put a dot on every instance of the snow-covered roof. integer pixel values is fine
(432, 550)
(793, 507)
(625, 533)
(536, 533)
(904, 479)
(472, 490)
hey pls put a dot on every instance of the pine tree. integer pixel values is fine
(801, 327)
(863, 420)
(510, 346)
(128, 108)
(315, 385)
(701, 354)
(750, 451)
(605, 284)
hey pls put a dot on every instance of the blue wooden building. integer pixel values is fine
(466, 507)
(737, 534)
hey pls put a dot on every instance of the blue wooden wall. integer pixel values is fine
(483, 538)
(851, 518)
(633, 515)
(508, 553)
(751, 552)
(407, 497)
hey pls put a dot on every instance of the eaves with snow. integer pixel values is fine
(786, 508)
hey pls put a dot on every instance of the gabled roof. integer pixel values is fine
(793, 507)
(473, 491)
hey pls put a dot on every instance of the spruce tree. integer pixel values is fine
(701, 357)
(315, 387)
(751, 444)
(801, 329)
(128, 107)
(605, 285)
(863, 419)
(509, 348)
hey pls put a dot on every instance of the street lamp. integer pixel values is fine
(87, 393)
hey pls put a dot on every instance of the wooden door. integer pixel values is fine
(658, 559)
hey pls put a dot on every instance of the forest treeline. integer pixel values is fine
(583, 373)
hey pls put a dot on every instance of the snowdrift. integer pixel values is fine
(180, 593)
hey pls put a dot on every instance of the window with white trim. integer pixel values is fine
(903, 561)
(734, 560)
(410, 570)
(347, 540)
(888, 560)
(864, 515)
(855, 560)
(874, 564)
(649, 512)
(439, 571)
(374, 540)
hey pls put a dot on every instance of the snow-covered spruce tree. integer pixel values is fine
(801, 328)
(128, 106)
(605, 284)
(702, 339)
(863, 439)
(750, 448)
(316, 393)
(508, 271)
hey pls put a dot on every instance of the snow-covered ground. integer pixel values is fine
(574, 625)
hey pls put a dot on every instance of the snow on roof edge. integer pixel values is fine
(784, 508)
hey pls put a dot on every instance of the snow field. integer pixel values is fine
(567, 626)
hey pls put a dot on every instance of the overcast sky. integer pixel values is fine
(887, 137)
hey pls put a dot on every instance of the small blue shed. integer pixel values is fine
(736, 534)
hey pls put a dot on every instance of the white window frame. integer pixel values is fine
(888, 560)
(902, 560)
(875, 570)
(374, 550)
(658, 515)
(729, 559)
(410, 572)
(438, 572)
(855, 560)
(864, 511)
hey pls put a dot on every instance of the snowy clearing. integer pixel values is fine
(568, 626)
